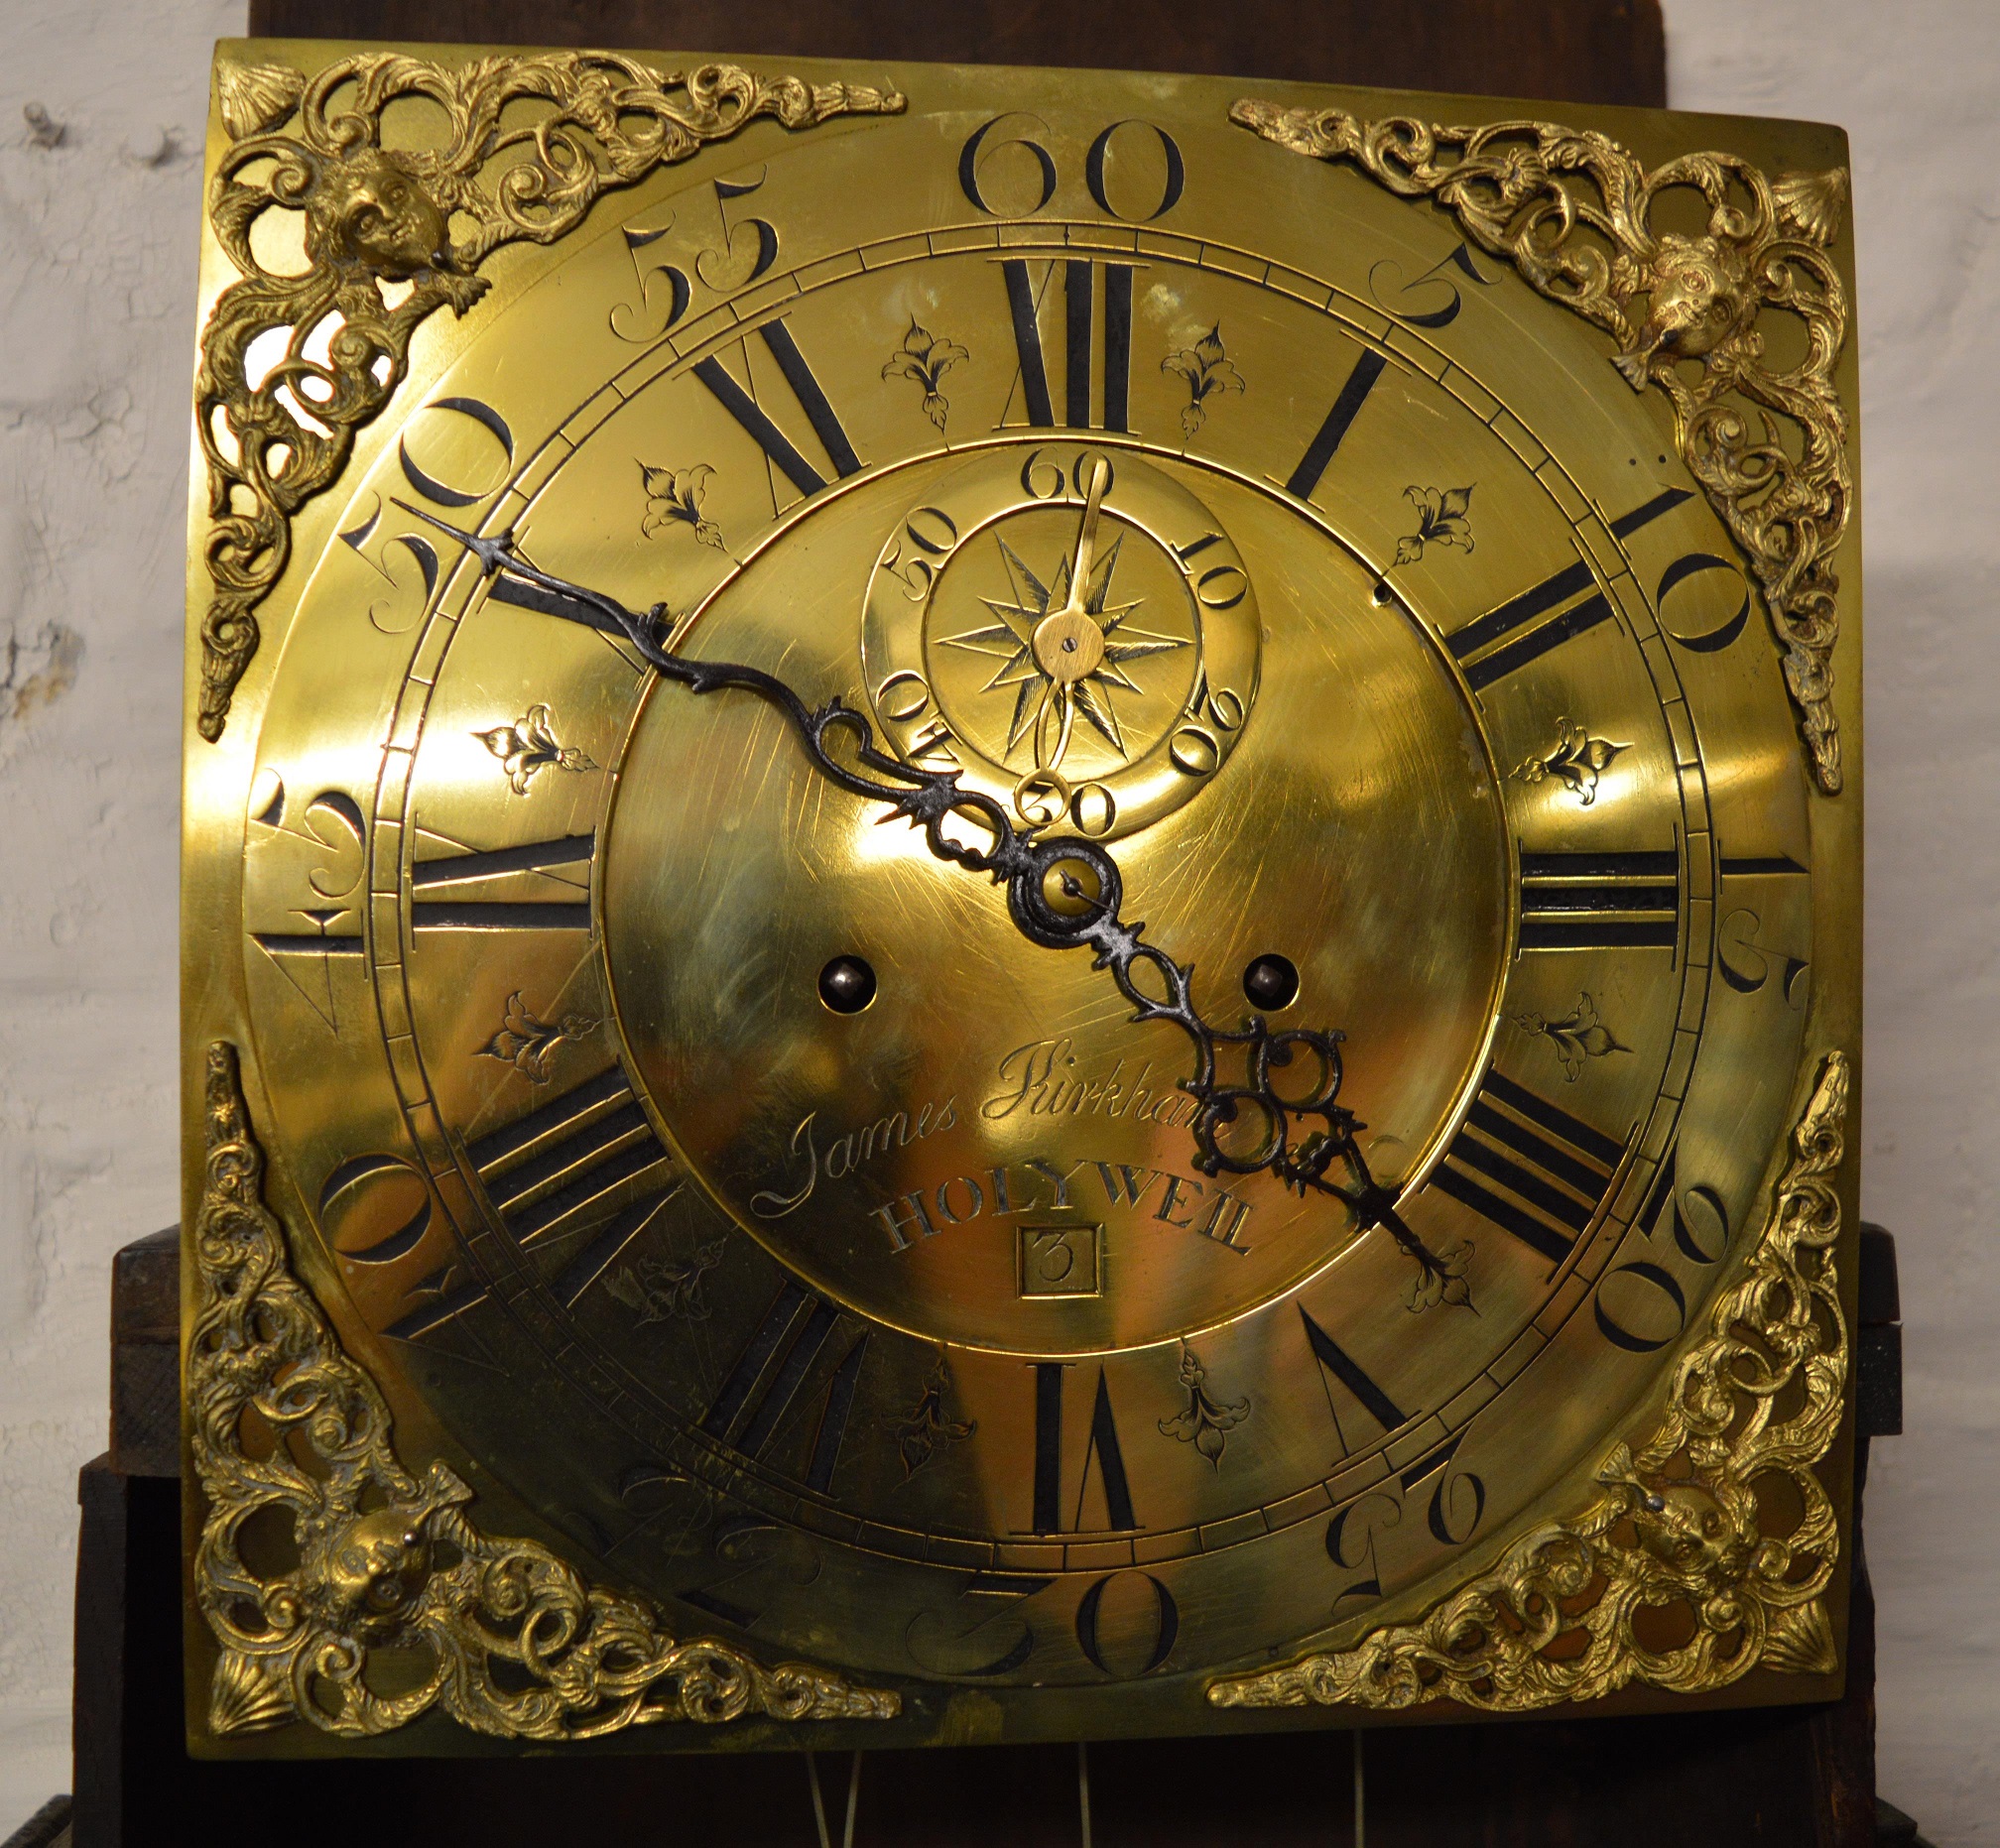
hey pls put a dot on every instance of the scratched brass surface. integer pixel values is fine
(911, 1343)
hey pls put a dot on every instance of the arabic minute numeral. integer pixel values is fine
(985, 166)
(1425, 287)
(655, 279)
(1696, 1216)
(1633, 1301)
(930, 534)
(407, 562)
(1457, 1499)
(981, 1625)
(1115, 1641)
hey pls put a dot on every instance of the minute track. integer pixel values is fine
(1304, 1137)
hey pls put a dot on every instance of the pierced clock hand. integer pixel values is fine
(1062, 894)
(1069, 644)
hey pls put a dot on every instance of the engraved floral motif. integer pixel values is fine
(528, 1043)
(1576, 760)
(394, 234)
(674, 496)
(1577, 1036)
(925, 1429)
(1207, 371)
(1207, 1420)
(661, 1289)
(529, 745)
(1667, 1576)
(925, 358)
(1443, 1280)
(506, 1639)
(1573, 211)
(1443, 519)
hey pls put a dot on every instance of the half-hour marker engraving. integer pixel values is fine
(1528, 626)
(926, 1426)
(1600, 901)
(1575, 1037)
(528, 1043)
(529, 746)
(1534, 1170)
(674, 498)
(437, 884)
(1207, 1420)
(554, 1171)
(1346, 406)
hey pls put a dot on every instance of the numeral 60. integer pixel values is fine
(978, 153)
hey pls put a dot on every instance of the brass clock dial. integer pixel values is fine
(1200, 1102)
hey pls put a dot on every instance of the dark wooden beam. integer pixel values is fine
(1573, 50)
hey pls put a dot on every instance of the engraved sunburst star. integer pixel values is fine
(1065, 655)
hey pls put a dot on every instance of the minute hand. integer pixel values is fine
(1062, 892)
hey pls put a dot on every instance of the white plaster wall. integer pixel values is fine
(96, 283)
(97, 302)
(1917, 86)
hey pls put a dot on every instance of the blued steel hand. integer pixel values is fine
(1062, 894)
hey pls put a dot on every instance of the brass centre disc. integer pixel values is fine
(997, 1093)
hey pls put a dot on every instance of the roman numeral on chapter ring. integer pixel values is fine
(1555, 611)
(783, 452)
(1339, 420)
(438, 898)
(1103, 1449)
(1342, 1366)
(1080, 278)
(1533, 1170)
(1600, 901)
(769, 1373)
(565, 1165)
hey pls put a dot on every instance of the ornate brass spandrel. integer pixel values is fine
(391, 235)
(1752, 1408)
(387, 1562)
(1541, 196)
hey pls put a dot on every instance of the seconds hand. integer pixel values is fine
(1062, 894)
